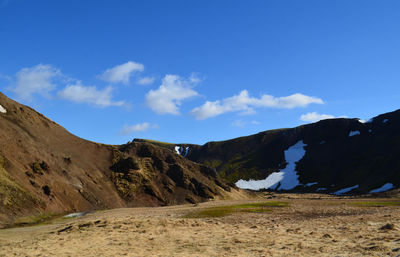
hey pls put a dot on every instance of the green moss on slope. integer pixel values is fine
(12, 195)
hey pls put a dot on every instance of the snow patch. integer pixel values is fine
(75, 215)
(369, 130)
(322, 142)
(311, 184)
(285, 179)
(354, 133)
(2, 109)
(321, 189)
(385, 120)
(345, 190)
(181, 150)
(370, 120)
(383, 188)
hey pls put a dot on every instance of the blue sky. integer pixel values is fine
(198, 71)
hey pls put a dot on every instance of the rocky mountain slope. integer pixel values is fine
(334, 156)
(45, 169)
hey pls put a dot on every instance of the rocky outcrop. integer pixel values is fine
(170, 178)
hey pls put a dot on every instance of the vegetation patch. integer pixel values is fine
(221, 211)
(154, 142)
(40, 167)
(13, 196)
(376, 203)
(213, 163)
(42, 218)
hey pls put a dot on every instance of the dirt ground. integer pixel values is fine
(312, 225)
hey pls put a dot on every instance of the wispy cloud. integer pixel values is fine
(122, 73)
(245, 104)
(167, 98)
(5, 77)
(146, 81)
(242, 123)
(314, 117)
(238, 123)
(141, 127)
(40, 79)
(89, 94)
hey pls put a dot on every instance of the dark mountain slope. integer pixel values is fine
(339, 153)
(44, 168)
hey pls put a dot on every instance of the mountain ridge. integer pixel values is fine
(339, 152)
(46, 169)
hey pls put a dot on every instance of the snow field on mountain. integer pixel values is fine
(182, 150)
(354, 133)
(383, 188)
(345, 190)
(2, 109)
(286, 178)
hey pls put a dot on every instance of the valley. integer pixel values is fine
(307, 224)
(324, 188)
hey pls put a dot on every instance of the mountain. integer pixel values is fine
(46, 169)
(333, 156)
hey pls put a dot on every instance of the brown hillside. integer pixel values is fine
(45, 169)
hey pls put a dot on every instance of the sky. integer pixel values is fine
(201, 70)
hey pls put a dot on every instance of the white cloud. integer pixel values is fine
(194, 78)
(167, 98)
(126, 130)
(89, 94)
(43, 79)
(238, 123)
(122, 73)
(242, 123)
(245, 104)
(314, 117)
(39, 79)
(146, 81)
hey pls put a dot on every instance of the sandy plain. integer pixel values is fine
(311, 225)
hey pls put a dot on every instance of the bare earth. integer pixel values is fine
(312, 225)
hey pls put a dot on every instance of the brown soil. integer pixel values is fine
(312, 225)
